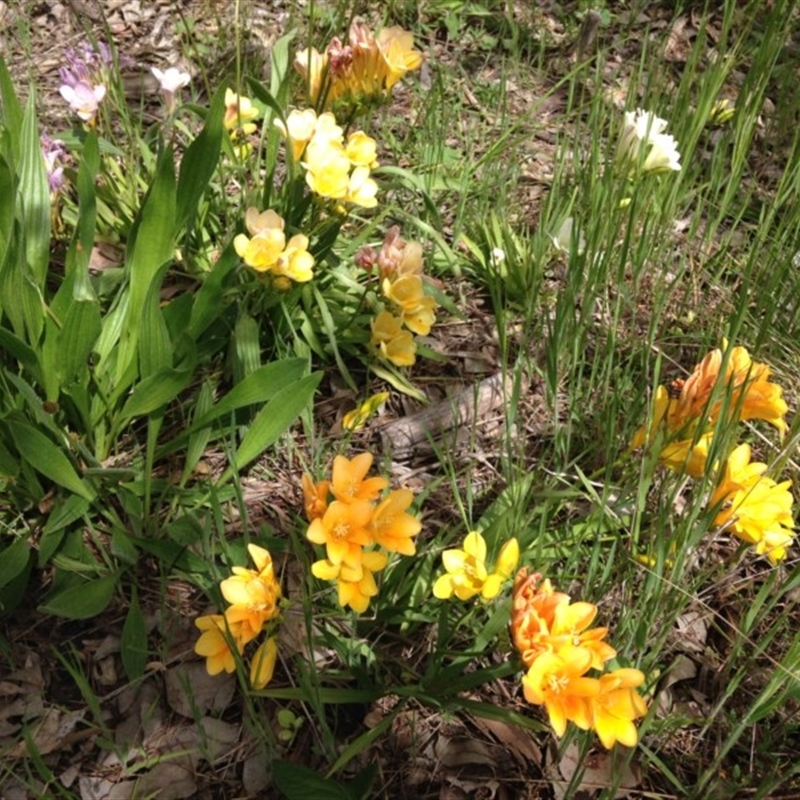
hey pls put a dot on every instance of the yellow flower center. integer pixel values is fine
(341, 531)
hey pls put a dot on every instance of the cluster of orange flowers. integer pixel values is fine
(559, 649)
(683, 423)
(411, 311)
(357, 527)
(362, 72)
(254, 596)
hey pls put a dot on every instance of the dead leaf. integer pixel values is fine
(596, 771)
(190, 689)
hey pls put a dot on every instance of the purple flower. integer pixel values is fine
(53, 150)
(83, 98)
(83, 78)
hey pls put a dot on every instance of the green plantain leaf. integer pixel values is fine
(133, 644)
(46, 457)
(155, 392)
(83, 601)
(13, 560)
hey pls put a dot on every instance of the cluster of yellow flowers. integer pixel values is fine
(466, 574)
(357, 527)
(267, 250)
(402, 282)
(683, 423)
(362, 72)
(239, 120)
(559, 649)
(336, 167)
(254, 596)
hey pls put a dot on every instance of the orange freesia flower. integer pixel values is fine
(556, 680)
(343, 529)
(616, 706)
(533, 613)
(349, 479)
(391, 527)
(315, 496)
(214, 643)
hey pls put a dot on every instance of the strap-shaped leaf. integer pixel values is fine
(275, 418)
(155, 392)
(82, 601)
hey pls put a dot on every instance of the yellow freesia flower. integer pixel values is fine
(393, 343)
(315, 496)
(355, 588)
(556, 680)
(356, 419)
(299, 128)
(214, 643)
(262, 665)
(616, 706)
(239, 112)
(753, 506)
(466, 572)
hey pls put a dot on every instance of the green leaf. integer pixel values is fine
(83, 601)
(152, 248)
(200, 160)
(208, 303)
(76, 339)
(275, 418)
(13, 560)
(35, 196)
(63, 514)
(7, 193)
(19, 349)
(301, 783)
(247, 347)
(80, 248)
(45, 457)
(155, 392)
(155, 345)
(11, 114)
(133, 644)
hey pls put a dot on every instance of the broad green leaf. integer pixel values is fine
(83, 601)
(198, 440)
(280, 57)
(200, 160)
(80, 248)
(19, 349)
(155, 392)
(275, 418)
(247, 347)
(11, 113)
(13, 559)
(46, 457)
(257, 387)
(77, 338)
(208, 302)
(155, 346)
(300, 783)
(152, 248)
(133, 644)
(174, 556)
(64, 514)
(7, 194)
(35, 196)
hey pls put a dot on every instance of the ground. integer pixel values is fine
(98, 736)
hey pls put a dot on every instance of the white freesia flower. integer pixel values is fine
(497, 256)
(171, 81)
(644, 131)
(562, 241)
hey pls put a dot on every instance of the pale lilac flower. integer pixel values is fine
(83, 78)
(643, 135)
(83, 98)
(171, 81)
(52, 151)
